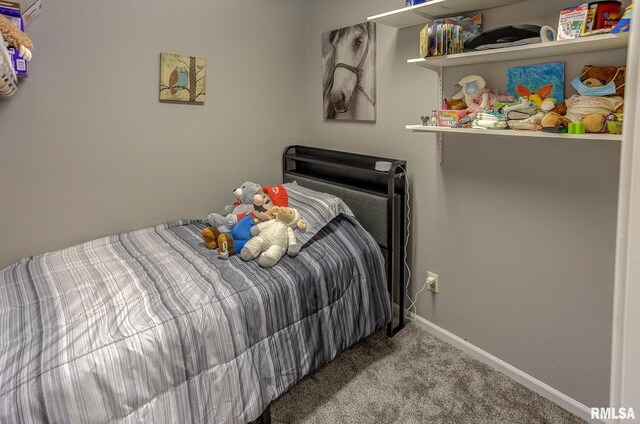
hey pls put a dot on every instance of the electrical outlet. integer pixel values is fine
(433, 282)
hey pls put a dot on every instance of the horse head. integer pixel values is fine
(351, 46)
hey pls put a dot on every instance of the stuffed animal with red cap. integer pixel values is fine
(230, 243)
(275, 195)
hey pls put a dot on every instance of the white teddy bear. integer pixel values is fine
(271, 239)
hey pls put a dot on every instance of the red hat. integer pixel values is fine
(277, 194)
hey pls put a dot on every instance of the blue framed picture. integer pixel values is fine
(545, 80)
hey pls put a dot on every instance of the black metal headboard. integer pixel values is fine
(377, 199)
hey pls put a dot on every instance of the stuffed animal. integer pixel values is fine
(453, 104)
(473, 89)
(245, 203)
(16, 38)
(477, 96)
(537, 98)
(228, 243)
(533, 123)
(245, 194)
(216, 237)
(272, 239)
(601, 91)
(231, 242)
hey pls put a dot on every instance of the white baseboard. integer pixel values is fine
(509, 370)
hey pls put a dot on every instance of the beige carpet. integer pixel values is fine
(412, 378)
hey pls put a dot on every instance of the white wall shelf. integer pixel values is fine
(554, 48)
(516, 134)
(422, 13)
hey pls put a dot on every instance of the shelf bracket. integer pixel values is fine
(440, 149)
(440, 92)
(439, 135)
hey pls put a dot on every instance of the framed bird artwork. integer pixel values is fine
(182, 78)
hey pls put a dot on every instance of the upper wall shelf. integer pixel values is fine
(421, 13)
(554, 48)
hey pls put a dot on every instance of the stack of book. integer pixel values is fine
(448, 35)
(598, 17)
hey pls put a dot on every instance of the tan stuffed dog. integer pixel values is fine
(16, 38)
(272, 239)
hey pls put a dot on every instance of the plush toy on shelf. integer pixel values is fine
(244, 204)
(614, 123)
(532, 123)
(477, 96)
(272, 239)
(453, 104)
(600, 93)
(474, 92)
(16, 38)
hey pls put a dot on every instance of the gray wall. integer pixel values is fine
(521, 232)
(86, 149)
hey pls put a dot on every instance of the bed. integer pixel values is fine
(150, 326)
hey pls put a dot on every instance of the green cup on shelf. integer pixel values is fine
(576, 128)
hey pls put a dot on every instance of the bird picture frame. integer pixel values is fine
(182, 78)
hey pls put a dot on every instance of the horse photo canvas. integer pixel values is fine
(182, 78)
(349, 73)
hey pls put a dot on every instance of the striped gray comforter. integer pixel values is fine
(150, 326)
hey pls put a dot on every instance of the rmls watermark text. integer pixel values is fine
(612, 413)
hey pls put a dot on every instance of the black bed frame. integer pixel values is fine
(356, 173)
(265, 418)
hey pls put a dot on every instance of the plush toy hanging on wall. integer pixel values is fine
(16, 38)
